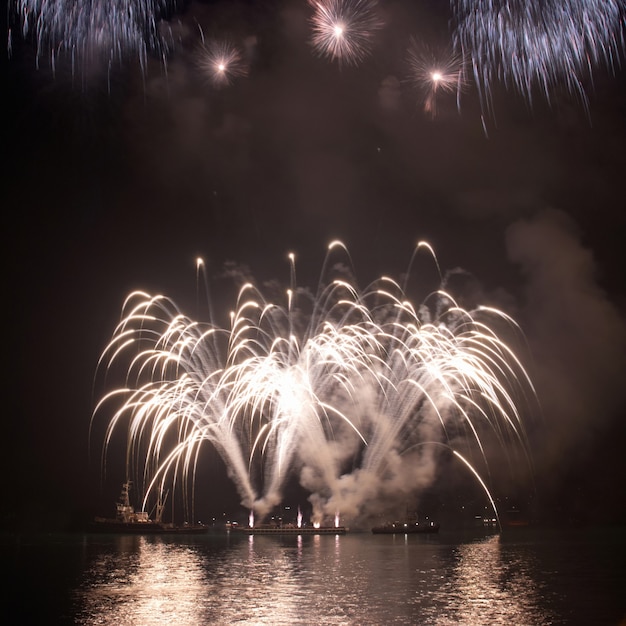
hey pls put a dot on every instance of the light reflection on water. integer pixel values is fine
(352, 579)
(144, 582)
(487, 589)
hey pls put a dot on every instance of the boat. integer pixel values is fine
(129, 521)
(409, 526)
(288, 529)
(406, 528)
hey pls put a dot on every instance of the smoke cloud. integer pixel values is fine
(577, 337)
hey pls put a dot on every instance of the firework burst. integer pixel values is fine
(291, 390)
(344, 30)
(434, 73)
(221, 62)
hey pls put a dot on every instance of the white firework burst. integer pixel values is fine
(345, 30)
(434, 72)
(221, 62)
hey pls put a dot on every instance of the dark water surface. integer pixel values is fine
(522, 577)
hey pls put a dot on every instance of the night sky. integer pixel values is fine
(117, 182)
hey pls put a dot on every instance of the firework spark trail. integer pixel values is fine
(530, 44)
(435, 378)
(344, 30)
(347, 397)
(91, 31)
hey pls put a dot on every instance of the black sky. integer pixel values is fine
(119, 184)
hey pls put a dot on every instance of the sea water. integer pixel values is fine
(522, 577)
